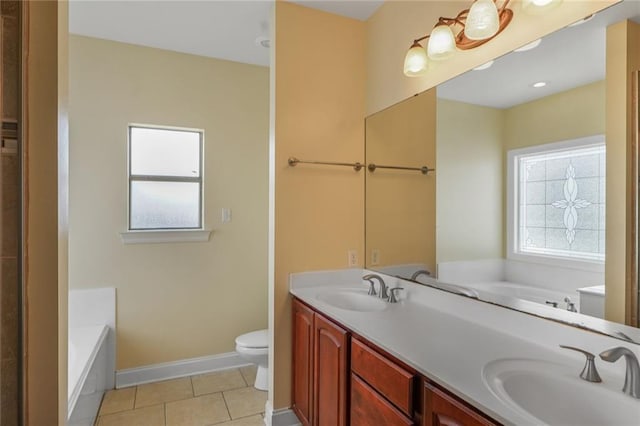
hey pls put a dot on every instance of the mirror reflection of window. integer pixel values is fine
(560, 208)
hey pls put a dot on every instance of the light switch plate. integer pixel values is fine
(226, 215)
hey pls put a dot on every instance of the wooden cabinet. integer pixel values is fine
(385, 376)
(369, 408)
(442, 409)
(303, 333)
(330, 373)
(320, 369)
(344, 381)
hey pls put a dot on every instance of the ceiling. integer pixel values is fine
(218, 29)
(571, 57)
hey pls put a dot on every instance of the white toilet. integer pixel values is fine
(254, 348)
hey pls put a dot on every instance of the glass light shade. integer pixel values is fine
(483, 21)
(442, 44)
(415, 63)
(534, 7)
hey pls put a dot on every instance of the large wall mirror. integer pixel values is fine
(501, 187)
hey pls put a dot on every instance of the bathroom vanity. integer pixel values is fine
(329, 359)
(428, 360)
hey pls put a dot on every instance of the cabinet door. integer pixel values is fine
(330, 373)
(303, 362)
(441, 409)
(368, 407)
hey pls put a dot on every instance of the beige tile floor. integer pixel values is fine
(225, 397)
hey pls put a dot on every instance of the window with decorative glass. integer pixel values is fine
(556, 199)
(165, 178)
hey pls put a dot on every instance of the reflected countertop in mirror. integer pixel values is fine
(516, 211)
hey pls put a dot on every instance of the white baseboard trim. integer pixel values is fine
(281, 417)
(176, 369)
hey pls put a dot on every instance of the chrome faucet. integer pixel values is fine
(632, 376)
(382, 294)
(417, 273)
(589, 372)
(393, 298)
(571, 307)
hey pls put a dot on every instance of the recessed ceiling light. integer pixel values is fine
(263, 41)
(484, 66)
(582, 21)
(529, 46)
(539, 84)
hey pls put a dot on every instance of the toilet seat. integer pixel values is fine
(254, 340)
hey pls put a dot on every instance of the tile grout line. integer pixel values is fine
(165, 414)
(226, 406)
(135, 398)
(244, 379)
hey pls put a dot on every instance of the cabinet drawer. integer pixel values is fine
(388, 378)
(441, 409)
(369, 408)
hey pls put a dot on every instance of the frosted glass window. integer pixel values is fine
(165, 178)
(157, 205)
(561, 203)
(162, 152)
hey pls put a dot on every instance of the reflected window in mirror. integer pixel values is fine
(556, 204)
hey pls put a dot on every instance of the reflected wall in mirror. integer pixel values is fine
(400, 215)
(522, 173)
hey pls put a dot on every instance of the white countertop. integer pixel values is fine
(449, 338)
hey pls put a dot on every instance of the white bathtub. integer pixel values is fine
(526, 292)
(87, 373)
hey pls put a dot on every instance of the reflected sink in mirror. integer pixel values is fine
(552, 393)
(352, 300)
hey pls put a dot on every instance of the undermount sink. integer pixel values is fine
(352, 300)
(546, 392)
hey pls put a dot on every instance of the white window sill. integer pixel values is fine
(166, 236)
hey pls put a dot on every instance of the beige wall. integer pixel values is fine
(623, 57)
(469, 192)
(567, 115)
(45, 228)
(177, 300)
(400, 205)
(319, 115)
(472, 159)
(397, 23)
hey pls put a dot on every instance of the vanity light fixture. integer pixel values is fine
(469, 29)
(415, 63)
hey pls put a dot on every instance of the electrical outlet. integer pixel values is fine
(353, 258)
(375, 256)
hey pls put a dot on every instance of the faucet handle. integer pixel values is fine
(392, 297)
(589, 372)
(372, 288)
(571, 307)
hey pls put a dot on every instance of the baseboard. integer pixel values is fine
(281, 417)
(176, 369)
